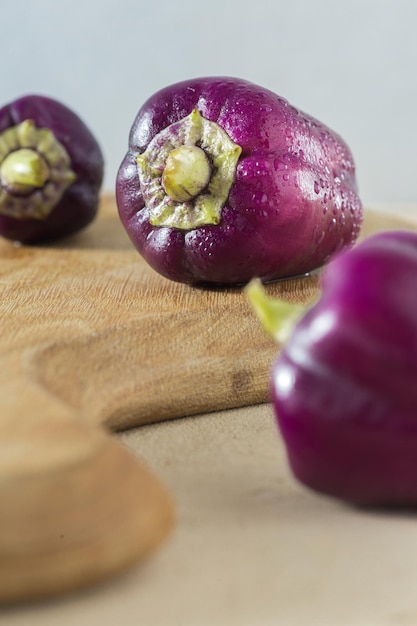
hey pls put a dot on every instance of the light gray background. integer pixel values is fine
(352, 64)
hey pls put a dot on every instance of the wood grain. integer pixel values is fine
(91, 336)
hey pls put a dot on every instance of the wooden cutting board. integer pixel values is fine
(91, 336)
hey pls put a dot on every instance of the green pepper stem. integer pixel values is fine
(277, 316)
(187, 172)
(24, 170)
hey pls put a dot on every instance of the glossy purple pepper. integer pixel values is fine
(265, 189)
(51, 170)
(345, 383)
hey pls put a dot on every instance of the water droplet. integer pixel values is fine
(325, 209)
(286, 176)
(316, 187)
(325, 198)
(320, 237)
(279, 165)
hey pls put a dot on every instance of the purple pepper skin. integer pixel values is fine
(79, 203)
(345, 384)
(292, 204)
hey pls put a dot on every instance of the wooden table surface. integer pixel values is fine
(251, 546)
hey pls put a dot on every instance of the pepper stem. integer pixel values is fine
(277, 316)
(24, 170)
(187, 172)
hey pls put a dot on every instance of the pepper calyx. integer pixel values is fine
(191, 190)
(35, 171)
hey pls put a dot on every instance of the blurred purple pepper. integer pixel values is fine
(345, 383)
(224, 181)
(51, 170)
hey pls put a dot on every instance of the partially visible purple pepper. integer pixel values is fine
(58, 200)
(287, 197)
(344, 385)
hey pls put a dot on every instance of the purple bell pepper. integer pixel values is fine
(51, 170)
(224, 180)
(344, 386)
